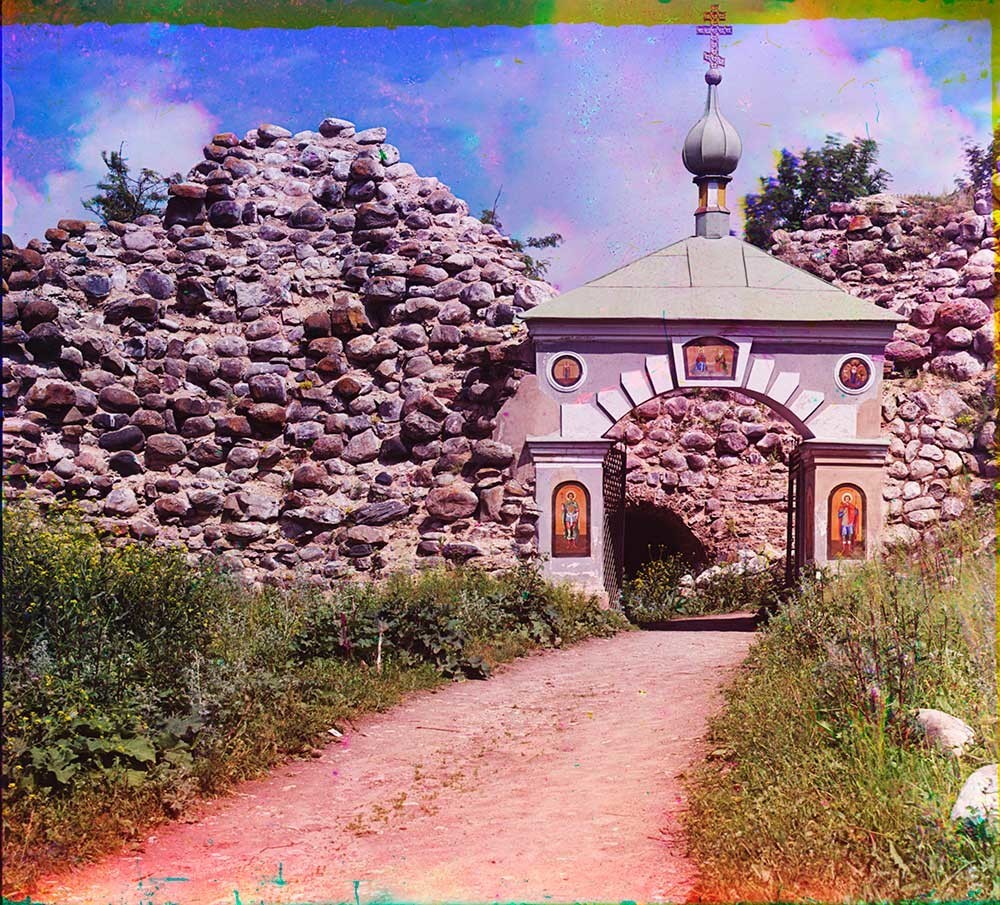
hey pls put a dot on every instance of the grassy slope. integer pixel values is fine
(115, 646)
(818, 785)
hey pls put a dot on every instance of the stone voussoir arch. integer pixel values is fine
(780, 408)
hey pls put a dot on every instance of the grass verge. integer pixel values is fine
(819, 784)
(135, 683)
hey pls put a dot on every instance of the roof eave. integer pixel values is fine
(537, 315)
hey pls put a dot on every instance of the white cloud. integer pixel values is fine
(163, 135)
(598, 159)
(823, 90)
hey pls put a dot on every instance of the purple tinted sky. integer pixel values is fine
(580, 124)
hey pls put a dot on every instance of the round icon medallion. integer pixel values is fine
(855, 373)
(566, 371)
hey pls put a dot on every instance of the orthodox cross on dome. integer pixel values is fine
(714, 17)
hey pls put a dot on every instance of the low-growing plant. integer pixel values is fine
(732, 590)
(374, 626)
(655, 595)
(445, 617)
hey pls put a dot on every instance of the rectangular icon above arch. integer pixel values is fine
(710, 360)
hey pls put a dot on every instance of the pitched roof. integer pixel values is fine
(722, 279)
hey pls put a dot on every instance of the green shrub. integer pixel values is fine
(657, 595)
(395, 629)
(442, 617)
(106, 617)
(98, 643)
(730, 591)
(817, 784)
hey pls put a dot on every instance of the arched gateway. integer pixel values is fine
(708, 311)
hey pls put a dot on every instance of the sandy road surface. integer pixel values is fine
(554, 781)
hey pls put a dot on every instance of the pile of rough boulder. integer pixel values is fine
(935, 263)
(298, 367)
(716, 460)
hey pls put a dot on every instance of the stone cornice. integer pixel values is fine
(613, 332)
(555, 450)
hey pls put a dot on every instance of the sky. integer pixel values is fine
(579, 127)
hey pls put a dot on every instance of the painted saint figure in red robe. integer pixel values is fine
(848, 516)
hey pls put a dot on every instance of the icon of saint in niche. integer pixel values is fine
(571, 520)
(571, 517)
(855, 374)
(847, 516)
(847, 523)
(721, 363)
(700, 362)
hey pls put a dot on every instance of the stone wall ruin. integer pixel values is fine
(299, 369)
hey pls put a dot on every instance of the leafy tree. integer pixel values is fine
(124, 197)
(535, 268)
(808, 183)
(981, 163)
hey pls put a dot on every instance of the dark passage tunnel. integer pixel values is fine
(653, 532)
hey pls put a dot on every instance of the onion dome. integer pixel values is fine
(713, 146)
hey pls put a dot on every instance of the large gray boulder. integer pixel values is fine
(452, 502)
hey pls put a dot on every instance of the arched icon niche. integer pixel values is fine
(570, 520)
(847, 520)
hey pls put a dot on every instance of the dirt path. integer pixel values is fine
(554, 781)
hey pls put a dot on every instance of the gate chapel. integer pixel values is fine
(708, 311)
